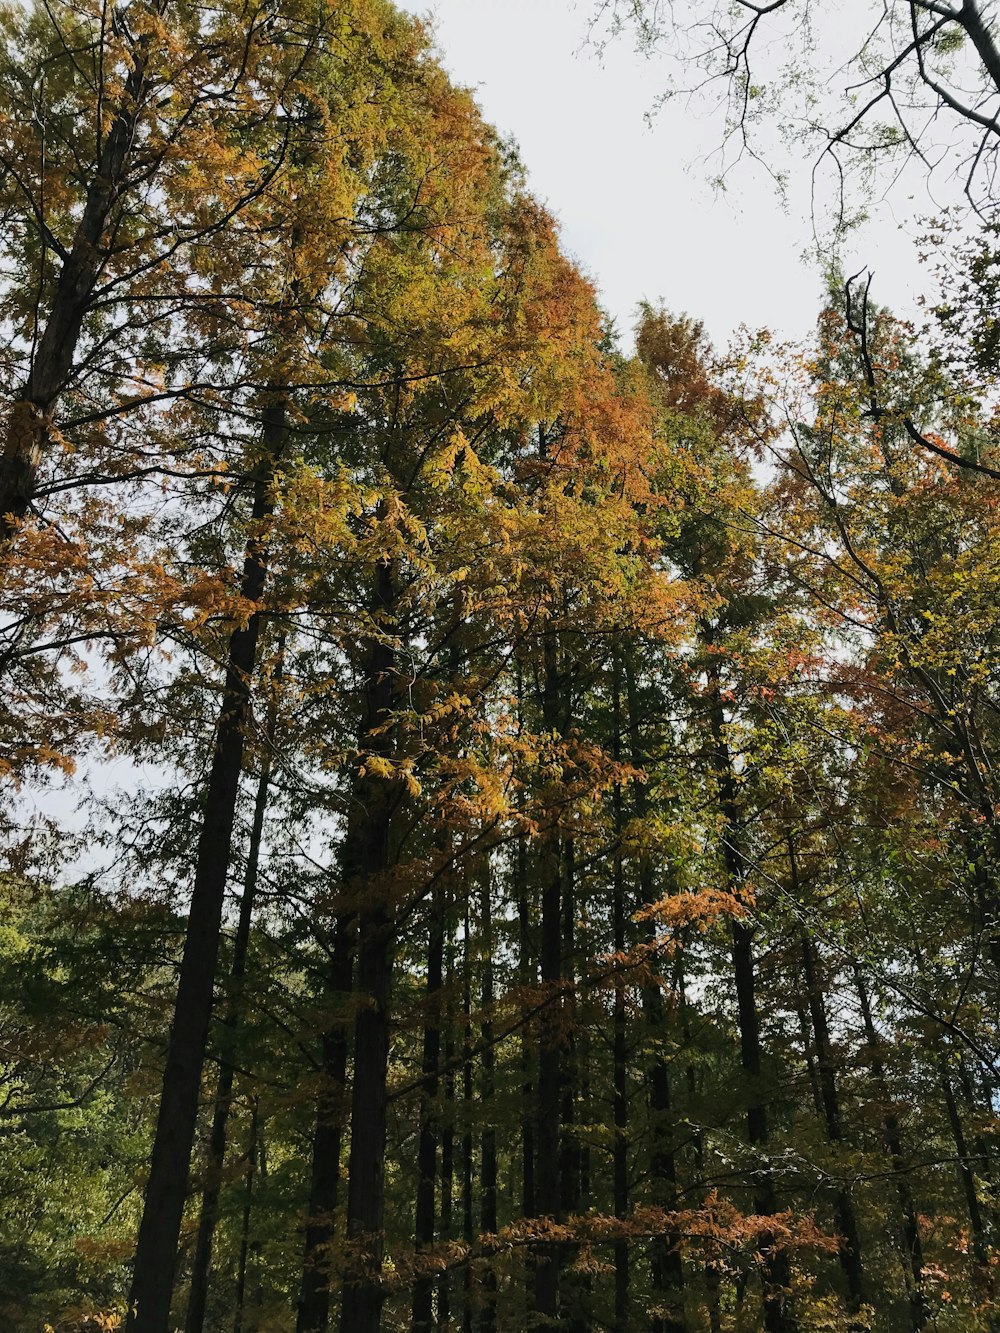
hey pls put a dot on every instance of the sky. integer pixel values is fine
(634, 196)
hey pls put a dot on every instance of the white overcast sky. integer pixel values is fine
(634, 200)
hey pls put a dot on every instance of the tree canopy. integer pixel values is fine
(524, 823)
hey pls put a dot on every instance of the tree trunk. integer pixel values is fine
(966, 1175)
(488, 1143)
(313, 1313)
(468, 1228)
(448, 1138)
(620, 1053)
(427, 1143)
(239, 1301)
(527, 978)
(548, 1126)
(912, 1247)
(775, 1267)
(156, 1251)
(202, 1261)
(849, 1251)
(667, 1267)
(366, 865)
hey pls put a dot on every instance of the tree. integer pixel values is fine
(908, 68)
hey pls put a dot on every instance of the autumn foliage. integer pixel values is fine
(501, 832)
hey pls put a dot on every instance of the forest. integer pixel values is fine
(502, 813)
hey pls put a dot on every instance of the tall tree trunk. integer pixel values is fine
(527, 978)
(313, 1314)
(849, 1251)
(574, 1285)
(488, 1143)
(239, 1300)
(966, 1174)
(166, 1188)
(548, 1125)
(775, 1267)
(912, 1248)
(666, 1264)
(619, 1056)
(448, 1136)
(468, 1091)
(366, 864)
(712, 1278)
(847, 1224)
(202, 1261)
(427, 1141)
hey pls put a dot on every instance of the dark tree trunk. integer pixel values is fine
(427, 1142)
(313, 1315)
(620, 1046)
(912, 1248)
(468, 1227)
(849, 1251)
(366, 865)
(202, 1261)
(239, 1301)
(775, 1267)
(156, 1251)
(527, 977)
(448, 1140)
(548, 1124)
(488, 1145)
(713, 1282)
(966, 1174)
(665, 1260)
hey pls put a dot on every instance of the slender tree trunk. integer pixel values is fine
(527, 977)
(574, 1285)
(448, 1139)
(166, 1188)
(468, 1090)
(712, 1279)
(202, 1262)
(620, 1040)
(313, 1314)
(775, 1267)
(966, 1175)
(666, 1264)
(807, 1054)
(366, 864)
(488, 1143)
(912, 1248)
(849, 1251)
(427, 1142)
(239, 1301)
(548, 1125)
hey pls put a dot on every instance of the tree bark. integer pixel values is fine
(488, 1141)
(202, 1261)
(667, 1267)
(849, 1251)
(156, 1251)
(366, 864)
(619, 1058)
(775, 1267)
(422, 1320)
(548, 1126)
(239, 1302)
(313, 1314)
(920, 1311)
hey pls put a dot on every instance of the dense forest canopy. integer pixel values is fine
(525, 850)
